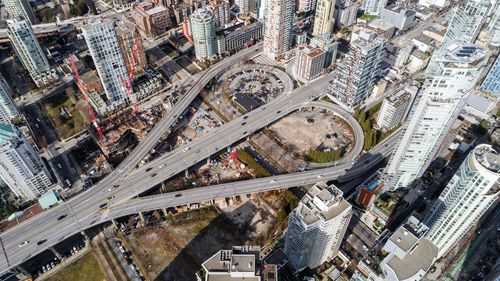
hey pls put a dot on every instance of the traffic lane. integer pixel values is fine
(294, 179)
(158, 131)
(106, 181)
(264, 116)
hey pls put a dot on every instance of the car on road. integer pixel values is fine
(178, 195)
(186, 149)
(149, 169)
(24, 243)
(122, 249)
(111, 197)
(320, 177)
(278, 112)
(41, 242)
(245, 117)
(273, 181)
(103, 205)
(243, 124)
(113, 187)
(62, 217)
(154, 175)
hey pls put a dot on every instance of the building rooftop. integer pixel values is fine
(399, 9)
(488, 157)
(202, 15)
(413, 254)
(424, 39)
(89, 77)
(419, 259)
(381, 24)
(403, 95)
(239, 263)
(462, 54)
(150, 8)
(367, 40)
(311, 51)
(322, 202)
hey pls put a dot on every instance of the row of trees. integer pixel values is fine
(323, 157)
(372, 135)
(246, 158)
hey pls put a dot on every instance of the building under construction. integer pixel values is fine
(121, 133)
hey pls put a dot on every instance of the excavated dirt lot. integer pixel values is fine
(176, 250)
(312, 129)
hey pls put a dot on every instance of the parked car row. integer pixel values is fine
(47, 267)
(128, 258)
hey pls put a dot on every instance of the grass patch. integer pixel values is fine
(367, 17)
(86, 268)
(323, 157)
(246, 158)
(65, 127)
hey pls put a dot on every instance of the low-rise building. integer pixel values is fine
(435, 32)
(309, 62)
(382, 27)
(395, 107)
(239, 36)
(239, 263)
(423, 43)
(328, 42)
(409, 253)
(400, 17)
(418, 61)
(370, 188)
(151, 18)
(91, 81)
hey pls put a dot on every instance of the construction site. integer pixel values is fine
(313, 130)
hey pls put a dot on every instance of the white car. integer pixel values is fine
(273, 181)
(113, 187)
(186, 149)
(24, 243)
(320, 177)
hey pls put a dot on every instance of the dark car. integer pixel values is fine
(149, 169)
(178, 195)
(243, 124)
(41, 242)
(61, 217)
(154, 175)
(103, 205)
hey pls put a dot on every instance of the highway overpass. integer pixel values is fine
(81, 212)
(42, 30)
(342, 171)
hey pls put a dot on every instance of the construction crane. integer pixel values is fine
(83, 90)
(128, 83)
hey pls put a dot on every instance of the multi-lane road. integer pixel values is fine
(83, 212)
(44, 224)
(345, 170)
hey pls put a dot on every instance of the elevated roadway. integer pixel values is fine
(82, 212)
(38, 226)
(342, 172)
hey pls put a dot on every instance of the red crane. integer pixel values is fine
(128, 83)
(82, 89)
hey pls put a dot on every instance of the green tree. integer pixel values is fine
(362, 116)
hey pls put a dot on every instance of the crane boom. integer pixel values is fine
(82, 89)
